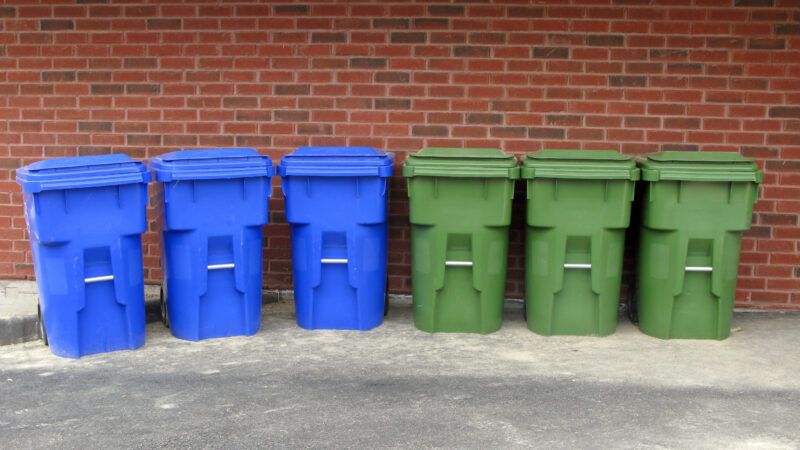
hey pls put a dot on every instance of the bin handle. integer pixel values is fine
(458, 263)
(699, 268)
(334, 260)
(577, 266)
(98, 279)
(221, 266)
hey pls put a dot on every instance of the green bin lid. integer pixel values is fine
(580, 164)
(699, 166)
(461, 163)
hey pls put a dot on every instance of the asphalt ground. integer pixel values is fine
(398, 387)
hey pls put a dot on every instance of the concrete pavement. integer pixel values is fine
(398, 387)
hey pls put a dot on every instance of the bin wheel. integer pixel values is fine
(42, 329)
(386, 298)
(525, 310)
(163, 302)
(633, 302)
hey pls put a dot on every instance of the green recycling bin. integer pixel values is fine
(579, 206)
(459, 208)
(694, 210)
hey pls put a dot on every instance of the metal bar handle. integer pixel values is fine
(98, 279)
(334, 260)
(221, 266)
(577, 266)
(458, 263)
(699, 268)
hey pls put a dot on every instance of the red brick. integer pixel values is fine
(401, 76)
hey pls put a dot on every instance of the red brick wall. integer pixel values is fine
(634, 75)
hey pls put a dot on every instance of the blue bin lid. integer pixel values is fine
(81, 172)
(337, 162)
(218, 163)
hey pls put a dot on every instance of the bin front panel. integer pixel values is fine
(692, 221)
(689, 256)
(87, 252)
(339, 233)
(459, 238)
(212, 246)
(213, 206)
(574, 248)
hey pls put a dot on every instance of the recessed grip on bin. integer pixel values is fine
(334, 248)
(703, 255)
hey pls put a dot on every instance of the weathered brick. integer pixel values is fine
(787, 28)
(627, 81)
(408, 38)
(140, 63)
(564, 120)
(390, 23)
(56, 25)
(680, 147)
(546, 133)
(429, 131)
(285, 115)
(525, 12)
(471, 51)
(669, 53)
(94, 126)
(750, 3)
(785, 112)
(253, 116)
(240, 102)
(484, 118)
(392, 77)
(58, 76)
(143, 139)
(487, 38)
(392, 103)
(605, 40)
(163, 24)
(292, 89)
(142, 89)
(367, 63)
(253, 141)
(551, 52)
(446, 10)
(766, 44)
(291, 9)
(107, 89)
(315, 128)
(328, 37)
(428, 23)
(682, 123)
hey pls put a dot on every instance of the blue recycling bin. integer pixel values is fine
(336, 205)
(212, 207)
(85, 218)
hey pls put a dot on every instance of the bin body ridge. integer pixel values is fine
(694, 210)
(85, 217)
(213, 206)
(336, 205)
(459, 209)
